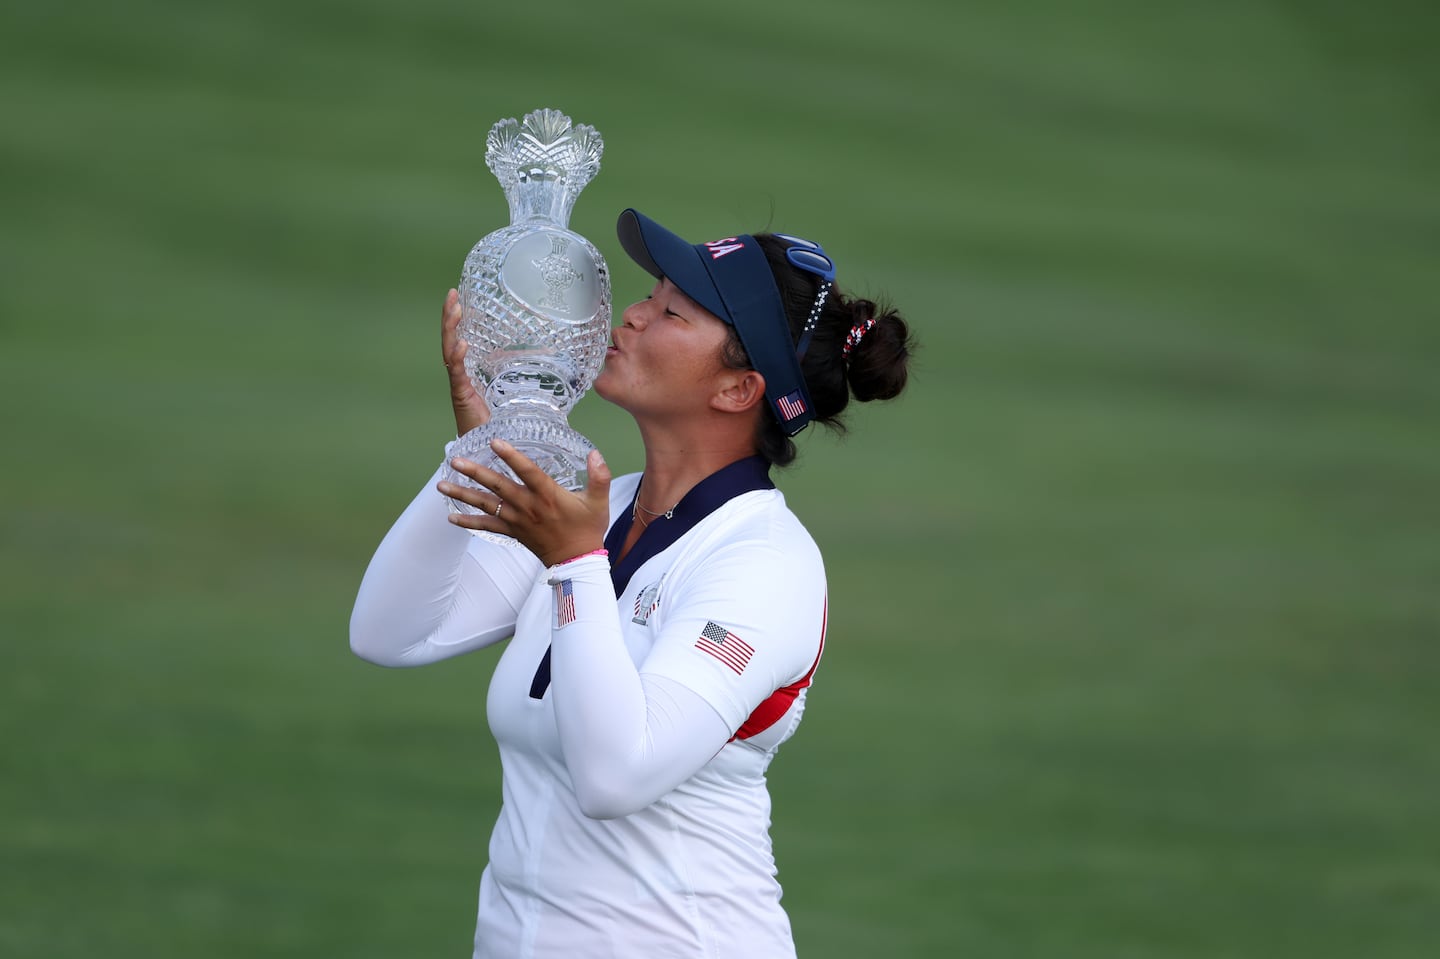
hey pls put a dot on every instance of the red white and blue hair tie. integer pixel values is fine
(856, 334)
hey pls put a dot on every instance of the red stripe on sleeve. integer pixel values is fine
(778, 703)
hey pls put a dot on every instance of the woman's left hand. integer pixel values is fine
(551, 521)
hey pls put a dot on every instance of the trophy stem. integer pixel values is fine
(541, 195)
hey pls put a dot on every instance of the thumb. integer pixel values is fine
(597, 488)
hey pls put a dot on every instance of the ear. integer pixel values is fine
(740, 391)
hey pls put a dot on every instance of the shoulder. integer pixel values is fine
(757, 532)
(764, 516)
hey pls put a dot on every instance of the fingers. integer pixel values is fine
(497, 486)
(489, 504)
(536, 482)
(532, 476)
(467, 521)
(461, 389)
(471, 409)
(452, 347)
(450, 318)
(487, 522)
(552, 522)
(482, 500)
(597, 490)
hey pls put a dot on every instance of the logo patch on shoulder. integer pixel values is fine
(646, 602)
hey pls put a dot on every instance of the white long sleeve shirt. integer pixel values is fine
(636, 712)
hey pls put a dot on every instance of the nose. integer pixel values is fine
(636, 315)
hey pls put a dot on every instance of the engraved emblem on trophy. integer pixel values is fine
(535, 301)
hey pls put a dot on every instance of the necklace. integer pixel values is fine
(637, 509)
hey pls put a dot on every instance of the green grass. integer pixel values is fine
(1135, 609)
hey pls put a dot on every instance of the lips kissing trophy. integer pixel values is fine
(535, 302)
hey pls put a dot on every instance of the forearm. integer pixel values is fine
(627, 740)
(426, 595)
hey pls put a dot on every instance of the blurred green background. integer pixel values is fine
(1135, 607)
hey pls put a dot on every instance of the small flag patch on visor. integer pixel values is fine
(564, 603)
(791, 405)
(725, 646)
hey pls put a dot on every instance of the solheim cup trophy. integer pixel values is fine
(535, 301)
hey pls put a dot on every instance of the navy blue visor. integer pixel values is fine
(731, 278)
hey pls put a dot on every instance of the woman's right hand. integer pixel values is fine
(470, 407)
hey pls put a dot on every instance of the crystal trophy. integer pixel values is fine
(535, 301)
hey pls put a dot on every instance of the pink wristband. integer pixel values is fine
(593, 552)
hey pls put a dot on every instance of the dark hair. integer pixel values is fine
(876, 369)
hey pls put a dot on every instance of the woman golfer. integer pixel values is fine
(663, 626)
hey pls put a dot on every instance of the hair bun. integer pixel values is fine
(877, 350)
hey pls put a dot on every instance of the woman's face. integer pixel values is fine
(664, 357)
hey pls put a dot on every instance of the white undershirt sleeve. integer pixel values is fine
(627, 740)
(433, 590)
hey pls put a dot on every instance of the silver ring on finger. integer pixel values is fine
(498, 504)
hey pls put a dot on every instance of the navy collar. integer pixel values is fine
(704, 498)
(711, 493)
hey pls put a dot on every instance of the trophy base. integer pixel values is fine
(556, 448)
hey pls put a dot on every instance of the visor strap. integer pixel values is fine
(813, 319)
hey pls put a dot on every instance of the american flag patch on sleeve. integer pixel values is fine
(564, 603)
(725, 646)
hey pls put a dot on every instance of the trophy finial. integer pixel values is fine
(542, 163)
